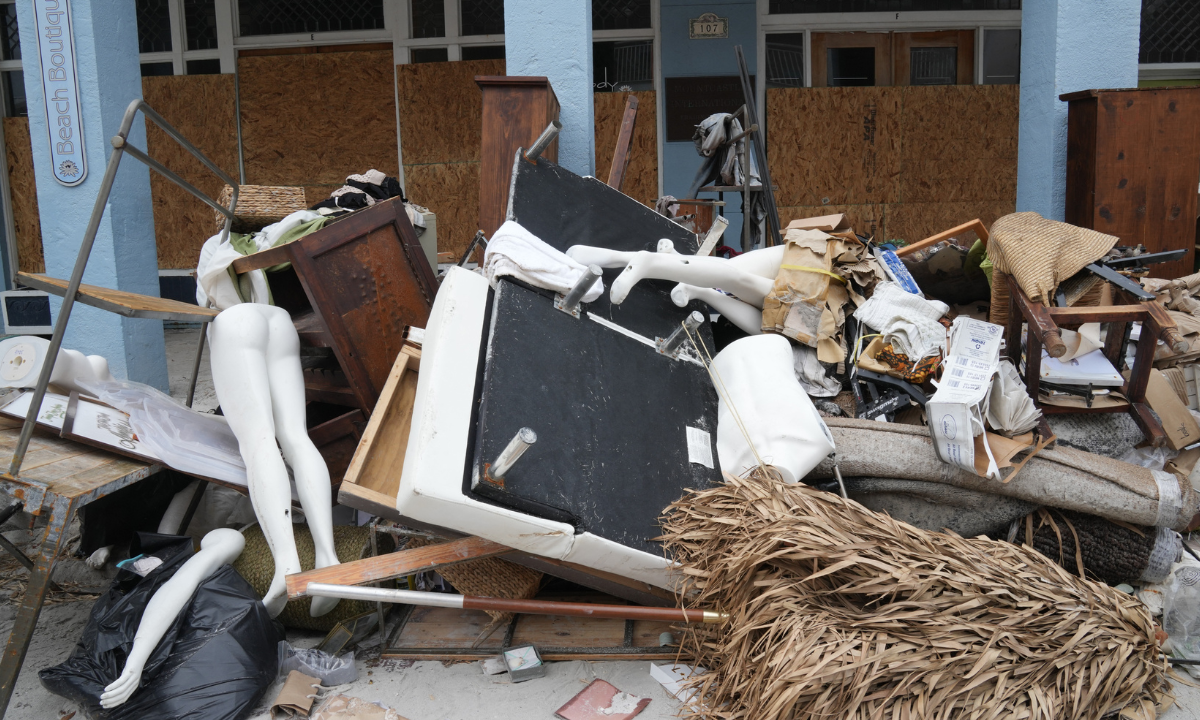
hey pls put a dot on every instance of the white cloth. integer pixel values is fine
(514, 251)
(214, 281)
(907, 321)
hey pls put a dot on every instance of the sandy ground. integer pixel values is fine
(418, 691)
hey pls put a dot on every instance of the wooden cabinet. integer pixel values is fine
(515, 111)
(1133, 167)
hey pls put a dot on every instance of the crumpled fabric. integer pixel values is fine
(216, 282)
(1041, 253)
(516, 252)
(908, 322)
(811, 373)
(812, 289)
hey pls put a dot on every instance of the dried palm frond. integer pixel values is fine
(841, 612)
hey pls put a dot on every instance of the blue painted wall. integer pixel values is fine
(554, 39)
(1066, 45)
(684, 57)
(124, 256)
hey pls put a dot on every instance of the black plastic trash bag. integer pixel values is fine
(213, 663)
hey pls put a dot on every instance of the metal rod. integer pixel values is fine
(585, 283)
(196, 364)
(531, 607)
(516, 448)
(675, 340)
(64, 311)
(475, 242)
(170, 175)
(543, 141)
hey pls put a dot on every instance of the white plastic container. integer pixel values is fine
(780, 419)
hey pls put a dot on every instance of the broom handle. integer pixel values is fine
(529, 607)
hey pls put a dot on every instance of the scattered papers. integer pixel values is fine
(1010, 409)
(1091, 368)
(673, 676)
(957, 409)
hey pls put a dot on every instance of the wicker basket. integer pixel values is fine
(260, 205)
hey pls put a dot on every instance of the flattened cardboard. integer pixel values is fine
(824, 223)
(293, 700)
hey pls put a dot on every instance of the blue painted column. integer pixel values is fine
(124, 256)
(554, 39)
(683, 56)
(1066, 45)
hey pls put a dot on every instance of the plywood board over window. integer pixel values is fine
(641, 176)
(441, 120)
(201, 108)
(313, 115)
(902, 162)
(24, 195)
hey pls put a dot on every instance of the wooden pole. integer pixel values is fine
(620, 161)
(528, 607)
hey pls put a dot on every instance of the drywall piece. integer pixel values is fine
(762, 399)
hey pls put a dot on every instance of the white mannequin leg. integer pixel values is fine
(218, 548)
(750, 276)
(73, 365)
(239, 338)
(169, 524)
(311, 472)
(744, 315)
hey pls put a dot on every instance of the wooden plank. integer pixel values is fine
(23, 192)
(975, 225)
(122, 303)
(620, 161)
(397, 564)
(380, 455)
(262, 259)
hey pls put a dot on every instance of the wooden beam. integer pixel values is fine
(397, 564)
(976, 225)
(620, 161)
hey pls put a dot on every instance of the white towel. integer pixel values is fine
(514, 251)
(907, 321)
(214, 282)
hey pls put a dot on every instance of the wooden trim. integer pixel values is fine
(620, 161)
(316, 49)
(337, 428)
(976, 225)
(371, 434)
(397, 564)
(261, 259)
(512, 80)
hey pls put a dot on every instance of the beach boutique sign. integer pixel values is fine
(60, 88)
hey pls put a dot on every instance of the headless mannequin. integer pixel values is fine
(218, 548)
(256, 373)
(749, 277)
